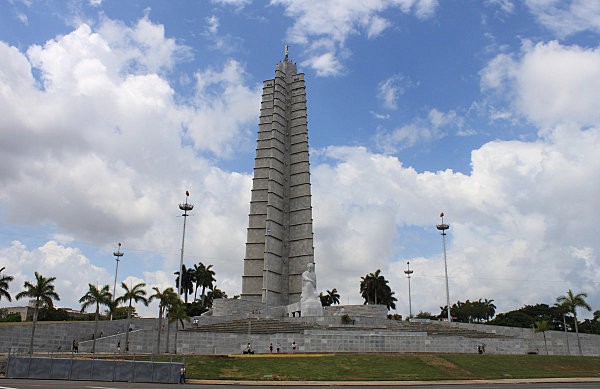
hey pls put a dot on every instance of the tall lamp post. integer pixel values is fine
(118, 254)
(408, 272)
(443, 227)
(185, 208)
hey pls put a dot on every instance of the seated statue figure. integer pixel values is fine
(310, 303)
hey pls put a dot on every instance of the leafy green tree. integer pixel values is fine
(324, 300)
(212, 295)
(54, 314)
(374, 289)
(597, 315)
(543, 326)
(489, 309)
(11, 318)
(134, 294)
(4, 280)
(330, 297)
(97, 297)
(204, 277)
(334, 296)
(187, 281)
(424, 315)
(43, 292)
(573, 301)
(590, 326)
(165, 298)
(526, 316)
(443, 312)
(120, 313)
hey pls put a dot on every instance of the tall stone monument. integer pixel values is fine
(280, 236)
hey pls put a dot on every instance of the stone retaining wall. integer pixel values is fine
(354, 338)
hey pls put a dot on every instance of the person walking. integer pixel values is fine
(182, 375)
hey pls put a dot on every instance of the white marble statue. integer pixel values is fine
(310, 303)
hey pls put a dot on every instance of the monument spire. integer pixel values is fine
(280, 234)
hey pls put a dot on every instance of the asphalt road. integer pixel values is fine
(53, 384)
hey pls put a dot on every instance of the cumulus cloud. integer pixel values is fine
(94, 144)
(565, 18)
(421, 130)
(548, 83)
(510, 218)
(323, 27)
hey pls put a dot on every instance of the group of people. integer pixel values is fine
(250, 350)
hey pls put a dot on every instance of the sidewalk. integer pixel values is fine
(391, 383)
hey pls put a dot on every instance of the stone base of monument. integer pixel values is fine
(311, 308)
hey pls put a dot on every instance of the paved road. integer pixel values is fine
(47, 384)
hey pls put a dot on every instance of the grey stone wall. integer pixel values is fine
(366, 335)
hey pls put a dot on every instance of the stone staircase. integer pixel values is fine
(439, 329)
(255, 326)
(274, 326)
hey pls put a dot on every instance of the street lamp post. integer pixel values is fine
(443, 227)
(185, 208)
(118, 254)
(408, 272)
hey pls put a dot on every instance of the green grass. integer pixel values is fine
(390, 367)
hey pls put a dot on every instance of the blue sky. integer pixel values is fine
(486, 110)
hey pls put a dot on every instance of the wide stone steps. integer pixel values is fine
(439, 329)
(274, 326)
(255, 326)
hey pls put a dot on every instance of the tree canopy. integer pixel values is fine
(374, 289)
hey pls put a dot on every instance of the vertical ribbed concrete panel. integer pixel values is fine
(280, 235)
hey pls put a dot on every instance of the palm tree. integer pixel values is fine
(490, 309)
(95, 296)
(543, 326)
(212, 295)
(572, 302)
(334, 296)
(4, 280)
(597, 315)
(135, 294)
(187, 285)
(176, 313)
(164, 299)
(324, 299)
(43, 293)
(204, 277)
(374, 289)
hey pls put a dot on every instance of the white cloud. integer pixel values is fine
(213, 24)
(506, 6)
(549, 83)
(510, 221)
(235, 3)
(389, 90)
(220, 92)
(568, 17)
(421, 130)
(324, 27)
(95, 148)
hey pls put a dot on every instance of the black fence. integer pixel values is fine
(94, 369)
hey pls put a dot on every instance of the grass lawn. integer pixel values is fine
(389, 367)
